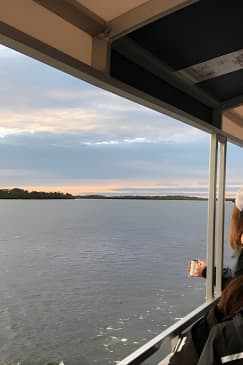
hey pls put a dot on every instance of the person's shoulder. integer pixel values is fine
(219, 327)
(227, 324)
(214, 316)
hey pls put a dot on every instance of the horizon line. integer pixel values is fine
(200, 195)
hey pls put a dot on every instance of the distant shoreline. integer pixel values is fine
(18, 193)
(141, 197)
(147, 197)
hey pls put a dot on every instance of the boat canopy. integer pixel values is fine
(183, 58)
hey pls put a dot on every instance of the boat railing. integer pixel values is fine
(168, 336)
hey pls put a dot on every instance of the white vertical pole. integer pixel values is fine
(220, 220)
(211, 215)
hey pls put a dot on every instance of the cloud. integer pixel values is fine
(37, 98)
(54, 158)
(58, 131)
(131, 128)
(123, 141)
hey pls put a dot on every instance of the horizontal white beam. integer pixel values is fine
(214, 67)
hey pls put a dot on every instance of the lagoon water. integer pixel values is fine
(89, 281)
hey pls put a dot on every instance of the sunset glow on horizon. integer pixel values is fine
(121, 189)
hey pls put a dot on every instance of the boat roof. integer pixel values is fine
(182, 58)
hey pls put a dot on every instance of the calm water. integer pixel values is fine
(88, 281)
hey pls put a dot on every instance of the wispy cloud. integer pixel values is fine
(124, 141)
(36, 98)
(133, 128)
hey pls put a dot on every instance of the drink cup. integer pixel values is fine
(193, 269)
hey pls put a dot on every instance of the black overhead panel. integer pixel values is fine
(133, 75)
(195, 34)
(226, 86)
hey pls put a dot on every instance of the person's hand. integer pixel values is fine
(198, 269)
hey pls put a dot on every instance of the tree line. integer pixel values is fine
(17, 193)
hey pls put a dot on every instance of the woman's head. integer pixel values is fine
(236, 226)
(231, 299)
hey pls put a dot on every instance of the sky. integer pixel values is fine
(58, 133)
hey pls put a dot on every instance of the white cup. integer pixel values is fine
(193, 268)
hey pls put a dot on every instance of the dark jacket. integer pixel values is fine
(225, 343)
(191, 342)
(238, 270)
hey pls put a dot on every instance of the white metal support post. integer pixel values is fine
(220, 215)
(211, 215)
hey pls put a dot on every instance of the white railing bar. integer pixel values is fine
(211, 216)
(220, 220)
(138, 356)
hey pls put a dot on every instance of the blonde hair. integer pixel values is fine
(236, 229)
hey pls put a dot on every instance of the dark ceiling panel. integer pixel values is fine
(194, 34)
(225, 87)
(133, 75)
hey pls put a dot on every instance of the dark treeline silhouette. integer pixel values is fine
(17, 193)
(145, 197)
